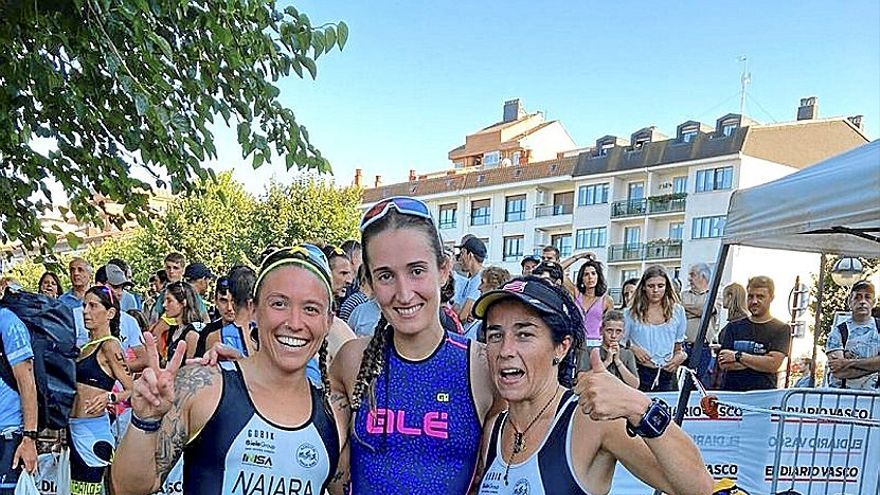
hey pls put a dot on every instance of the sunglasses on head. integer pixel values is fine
(305, 251)
(404, 205)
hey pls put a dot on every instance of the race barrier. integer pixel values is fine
(795, 441)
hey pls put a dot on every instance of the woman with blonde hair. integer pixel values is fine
(734, 301)
(655, 326)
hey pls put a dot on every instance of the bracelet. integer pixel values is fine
(32, 434)
(145, 425)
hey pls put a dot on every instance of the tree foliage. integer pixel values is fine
(113, 86)
(221, 224)
(834, 296)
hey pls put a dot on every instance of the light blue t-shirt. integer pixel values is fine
(70, 299)
(17, 347)
(658, 340)
(466, 288)
(364, 318)
(129, 301)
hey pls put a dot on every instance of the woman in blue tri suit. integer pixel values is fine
(253, 426)
(419, 395)
(545, 442)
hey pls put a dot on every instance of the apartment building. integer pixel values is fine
(636, 201)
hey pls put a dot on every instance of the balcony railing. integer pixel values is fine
(553, 210)
(629, 208)
(649, 251)
(669, 203)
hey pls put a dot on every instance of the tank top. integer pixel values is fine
(88, 369)
(239, 452)
(548, 471)
(424, 435)
(592, 319)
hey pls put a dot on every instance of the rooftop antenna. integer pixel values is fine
(744, 80)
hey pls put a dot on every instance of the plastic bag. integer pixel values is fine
(63, 479)
(26, 485)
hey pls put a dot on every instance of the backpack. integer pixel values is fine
(53, 339)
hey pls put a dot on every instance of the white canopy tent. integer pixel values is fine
(830, 207)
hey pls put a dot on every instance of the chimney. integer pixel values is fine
(412, 175)
(857, 122)
(357, 177)
(513, 110)
(378, 181)
(809, 109)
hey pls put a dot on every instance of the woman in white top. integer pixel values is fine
(655, 326)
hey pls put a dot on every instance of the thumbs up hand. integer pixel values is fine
(604, 397)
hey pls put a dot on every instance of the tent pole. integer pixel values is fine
(818, 321)
(699, 343)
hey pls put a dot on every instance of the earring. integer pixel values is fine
(556, 361)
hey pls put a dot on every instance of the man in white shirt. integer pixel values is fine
(853, 346)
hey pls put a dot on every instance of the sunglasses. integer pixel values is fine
(306, 252)
(404, 205)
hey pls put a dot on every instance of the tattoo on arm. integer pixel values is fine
(339, 401)
(173, 434)
(121, 360)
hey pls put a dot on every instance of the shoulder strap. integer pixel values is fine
(844, 333)
(492, 451)
(98, 341)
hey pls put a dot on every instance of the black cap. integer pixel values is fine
(534, 293)
(475, 247)
(863, 285)
(195, 271)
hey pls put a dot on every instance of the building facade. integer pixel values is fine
(648, 199)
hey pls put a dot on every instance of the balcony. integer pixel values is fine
(654, 205)
(553, 210)
(654, 250)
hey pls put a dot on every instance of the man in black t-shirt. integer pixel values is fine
(753, 349)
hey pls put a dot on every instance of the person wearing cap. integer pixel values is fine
(528, 264)
(130, 338)
(853, 346)
(551, 271)
(472, 253)
(253, 426)
(554, 440)
(129, 300)
(200, 276)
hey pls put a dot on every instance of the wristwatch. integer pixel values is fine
(737, 356)
(654, 421)
(32, 434)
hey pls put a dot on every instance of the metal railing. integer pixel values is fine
(553, 210)
(647, 206)
(649, 251)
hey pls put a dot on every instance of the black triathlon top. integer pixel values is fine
(89, 372)
(548, 471)
(239, 452)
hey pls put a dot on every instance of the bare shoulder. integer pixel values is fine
(482, 386)
(347, 362)
(339, 334)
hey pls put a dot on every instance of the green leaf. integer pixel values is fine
(141, 104)
(329, 38)
(163, 45)
(244, 131)
(341, 34)
(258, 160)
(73, 240)
(310, 65)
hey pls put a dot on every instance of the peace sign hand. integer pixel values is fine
(605, 397)
(153, 392)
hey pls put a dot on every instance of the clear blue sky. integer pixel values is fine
(416, 77)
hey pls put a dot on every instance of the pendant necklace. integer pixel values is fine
(519, 440)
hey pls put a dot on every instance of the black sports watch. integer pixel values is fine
(32, 434)
(737, 356)
(654, 421)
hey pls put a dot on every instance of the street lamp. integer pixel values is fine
(847, 271)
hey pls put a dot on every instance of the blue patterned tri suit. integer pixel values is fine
(424, 436)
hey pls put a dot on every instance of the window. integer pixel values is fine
(632, 236)
(636, 190)
(591, 238)
(448, 215)
(714, 179)
(486, 243)
(688, 135)
(729, 128)
(628, 274)
(676, 231)
(491, 158)
(515, 208)
(593, 194)
(513, 248)
(708, 227)
(481, 212)
(563, 203)
(679, 185)
(562, 243)
(514, 159)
